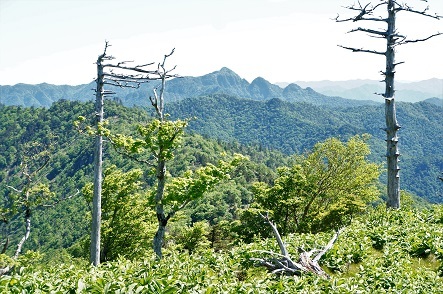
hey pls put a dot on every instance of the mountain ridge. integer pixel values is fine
(223, 81)
(364, 89)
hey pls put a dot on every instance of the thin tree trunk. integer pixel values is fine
(158, 238)
(161, 218)
(98, 165)
(392, 126)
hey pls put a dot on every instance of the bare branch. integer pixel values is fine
(60, 200)
(133, 68)
(328, 246)
(282, 246)
(362, 50)
(122, 84)
(12, 188)
(407, 8)
(285, 263)
(365, 11)
(4, 270)
(419, 40)
(359, 29)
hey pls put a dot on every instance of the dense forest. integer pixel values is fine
(216, 236)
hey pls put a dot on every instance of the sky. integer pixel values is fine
(58, 41)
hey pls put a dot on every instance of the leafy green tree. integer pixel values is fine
(192, 238)
(127, 223)
(157, 141)
(323, 189)
(155, 145)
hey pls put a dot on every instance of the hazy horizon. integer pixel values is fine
(57, 42)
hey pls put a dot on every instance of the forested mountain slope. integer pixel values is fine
(296, 127)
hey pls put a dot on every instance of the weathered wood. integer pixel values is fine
(98, 164)
(283, 263)
(392, 126)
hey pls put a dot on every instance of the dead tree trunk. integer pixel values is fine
(98, 164)
(283, 264)
(393, 38)
(392, 126)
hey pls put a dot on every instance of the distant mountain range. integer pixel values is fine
(365, 89)
(224, 81)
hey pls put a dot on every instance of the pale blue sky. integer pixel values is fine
(57, 41)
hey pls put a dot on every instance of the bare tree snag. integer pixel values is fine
(121, 75)
(282, 263)
(393, 39)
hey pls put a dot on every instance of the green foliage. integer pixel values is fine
(70, 169)
(323, 190)
(157, 139)
(6, 261)
(194, 184)
(127, 223)
(192, 238)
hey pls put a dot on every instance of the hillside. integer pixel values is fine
(379, 243)
(224, 81)
(295, 128)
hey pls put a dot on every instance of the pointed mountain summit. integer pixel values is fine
(261, 89)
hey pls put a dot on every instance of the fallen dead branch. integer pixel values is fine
(282, 263)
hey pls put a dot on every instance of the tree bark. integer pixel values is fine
(394, 39)
(98, 166)
(157, 243)
(161, 218)
(392, 126)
